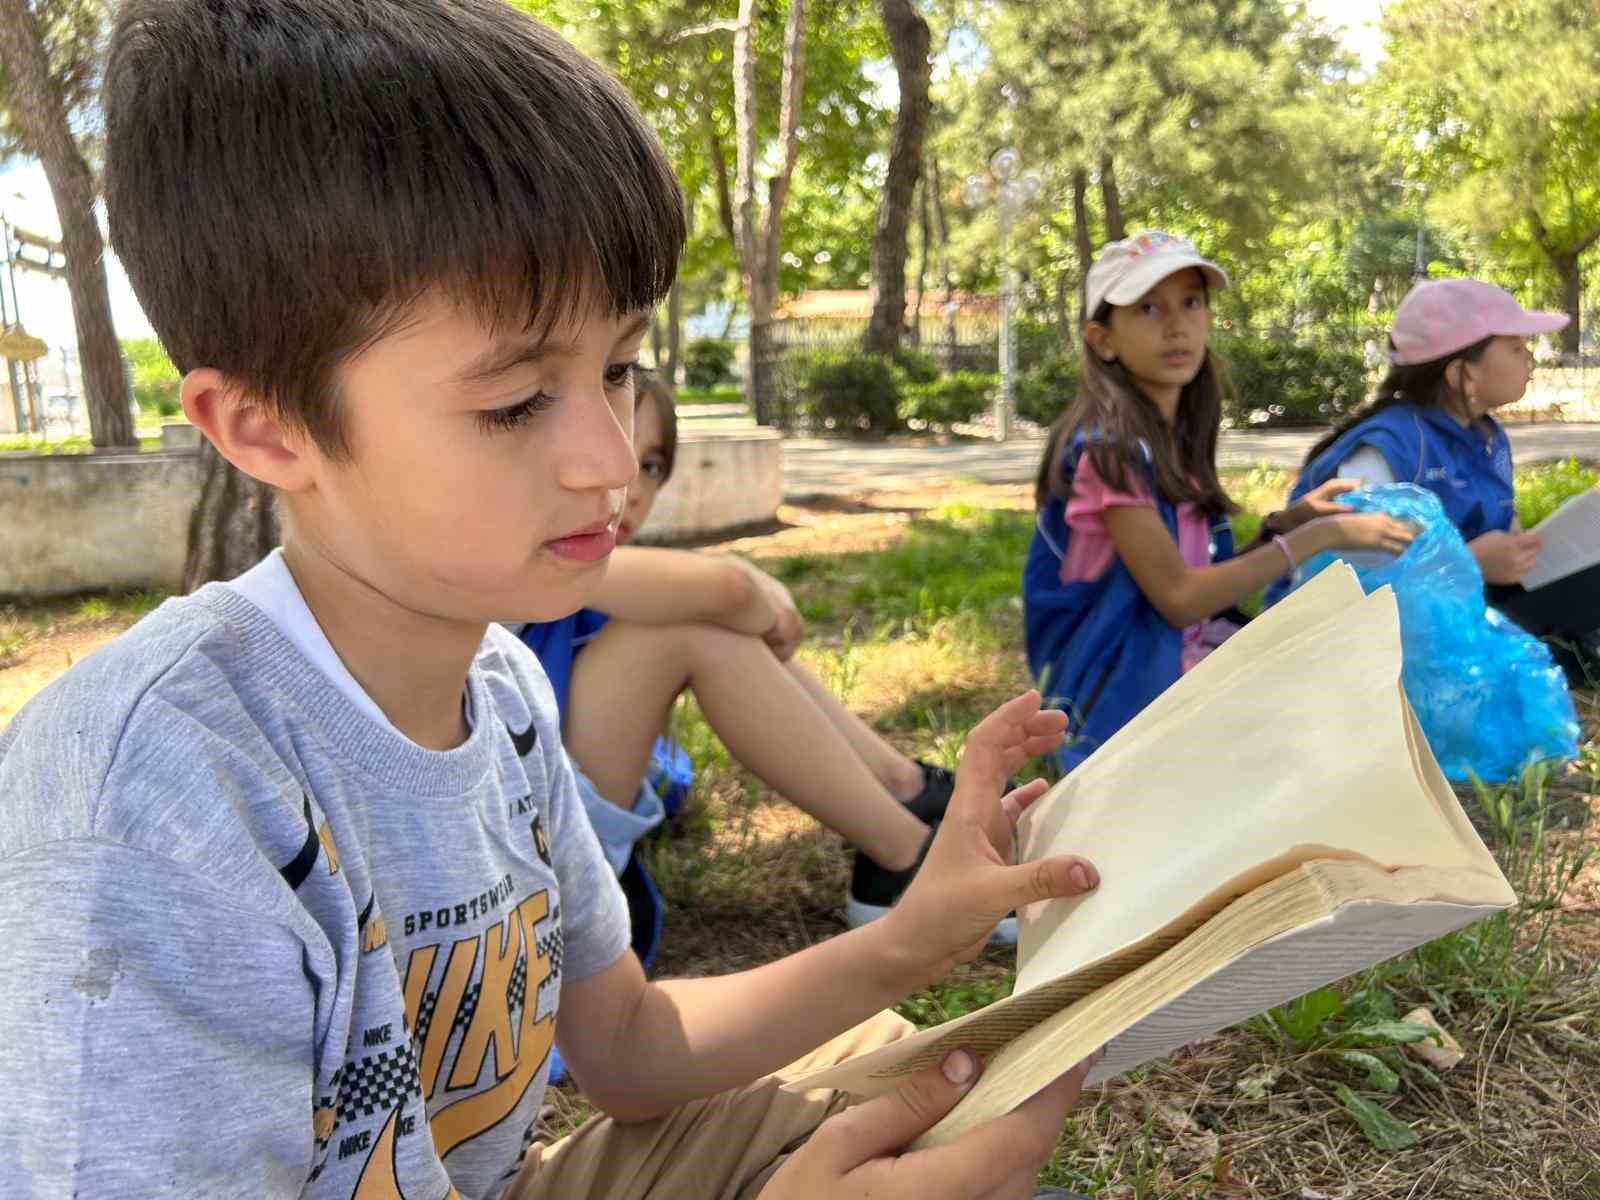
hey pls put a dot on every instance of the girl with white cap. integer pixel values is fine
(1133, 558)
(1458, 350)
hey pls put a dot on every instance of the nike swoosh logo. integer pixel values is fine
(524, 741)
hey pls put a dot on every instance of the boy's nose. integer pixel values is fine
(597, 448)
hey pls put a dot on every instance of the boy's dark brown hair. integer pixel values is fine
(284, 178)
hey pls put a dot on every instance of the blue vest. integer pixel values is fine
(1098, 648)
(1468, 468)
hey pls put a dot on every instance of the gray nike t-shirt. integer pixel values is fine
(258, 945)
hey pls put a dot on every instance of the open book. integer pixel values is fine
(1273, 823)
(1571, 540)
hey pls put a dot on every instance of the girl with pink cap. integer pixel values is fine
(1458, 350)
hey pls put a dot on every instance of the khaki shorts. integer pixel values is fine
(723, 1148)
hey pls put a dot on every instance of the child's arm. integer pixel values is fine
(654, 586)
(1187, 595)
(640, 1048)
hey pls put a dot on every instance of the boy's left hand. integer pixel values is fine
(967, 883)
(1318, 502)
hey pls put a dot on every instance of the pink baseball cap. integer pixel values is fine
(1128, 269)
(1440, 316)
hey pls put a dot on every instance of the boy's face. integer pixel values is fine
(486, 473)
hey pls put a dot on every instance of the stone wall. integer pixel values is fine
(94, 522)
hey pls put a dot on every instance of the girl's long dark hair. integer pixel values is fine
(1120, 417)
(1422, 384)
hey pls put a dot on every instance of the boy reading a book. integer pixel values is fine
(295, 887)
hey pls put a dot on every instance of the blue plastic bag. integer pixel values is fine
(1489, 696)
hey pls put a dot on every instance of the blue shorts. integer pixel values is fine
(619, 828)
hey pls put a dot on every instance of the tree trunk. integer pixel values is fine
(234, 524)
(1566, 267)
(925, 223)
(41, 112)
(910, 42)
(759, 252)
(1080, 238)
(719, 165)
(1115, 230)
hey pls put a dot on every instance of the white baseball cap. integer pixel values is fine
(1128, 269)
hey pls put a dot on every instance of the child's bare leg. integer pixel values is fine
(625, 681)
(901, 776)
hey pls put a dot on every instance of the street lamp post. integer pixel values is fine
(1013, 189)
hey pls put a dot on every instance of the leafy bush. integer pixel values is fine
(1544, 488)
(948, 399)
(1291, 383)
(153, 377)
(851, 393)
(708, 362)
(1044, 392)
(917, 367)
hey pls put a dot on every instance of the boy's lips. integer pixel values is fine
(591, 543)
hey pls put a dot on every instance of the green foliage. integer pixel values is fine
(917, 367)
(948, 399)
(1542, 489)
(1291, 383)
(708, 362)
(155, 379)
(727, 393)
(1383, 1130)
(676, 57)
(1043, 392)
(849, 392)
(946, 1001)
(1494, 109)
(73, 33)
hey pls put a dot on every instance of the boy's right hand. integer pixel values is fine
(859, 1153)
(1506, 557)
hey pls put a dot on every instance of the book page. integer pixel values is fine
(1571, 541)
(1144, 1016)
(1303, 755)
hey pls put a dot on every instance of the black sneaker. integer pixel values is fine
(938, 785)
(874, 889)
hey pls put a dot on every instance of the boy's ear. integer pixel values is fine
(1099, 339)
(248, 434)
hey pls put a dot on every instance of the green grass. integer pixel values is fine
(77, 444)
(724, 393)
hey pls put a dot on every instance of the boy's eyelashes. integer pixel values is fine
(513, 416)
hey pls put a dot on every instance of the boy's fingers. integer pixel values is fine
(1020, 1141)
(1017, 801)
(888, 1124)
(1046, 879)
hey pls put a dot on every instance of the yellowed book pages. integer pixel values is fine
(1273, 823)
